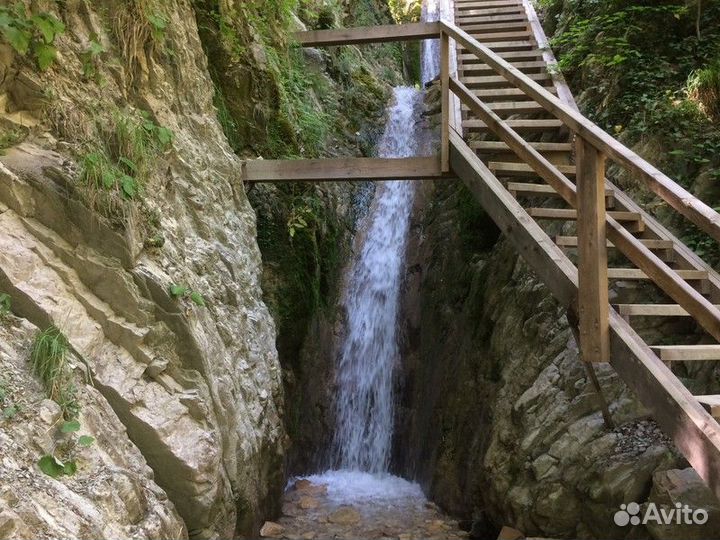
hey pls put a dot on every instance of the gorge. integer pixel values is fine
(320, 359)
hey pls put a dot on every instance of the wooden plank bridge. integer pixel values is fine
(530, 158)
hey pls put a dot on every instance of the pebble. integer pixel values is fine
(309, 515)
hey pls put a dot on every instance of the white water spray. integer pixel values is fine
(365, 401)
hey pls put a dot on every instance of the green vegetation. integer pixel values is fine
(8, 409)
(183, 291)
(703, 88)
(49, 363)
(300, 237)
(651, 75)
(10, 138)
(5, 304)
(114, 171)
(27, 33)
(90, 60)
(405, 10)
(52, 464)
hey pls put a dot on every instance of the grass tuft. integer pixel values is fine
(49, 363)
(703, 88)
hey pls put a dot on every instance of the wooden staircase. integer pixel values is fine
(510, 23)
(537, 166)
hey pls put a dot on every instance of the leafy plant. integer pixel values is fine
(55, 468)
(31, 33)
(183, 291)
(703, 88)
(90, 59)
(10, 138)
(65, 463)
(5, 304)
(158, 25)
(8, 409)
(49, 363)
(116, 169)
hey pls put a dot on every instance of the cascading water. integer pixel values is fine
(369, 355)
(365, 403)
(432, 10)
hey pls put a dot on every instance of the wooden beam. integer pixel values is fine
(676, 196)
(651, 310)
(330, 170)
(592, 254)
(687, 353)
(695, 433)
(636, 273)
(368, 34)
(711, 404)
(445, 85)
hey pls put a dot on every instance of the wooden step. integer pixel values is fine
(516, 107)
(471, 58)
(570, 214)
(490, 11)
(502, 36)
(492, 27)
(687, 353)
(663, 248)
(492, 3)
(711, 404)
(523, 169)
(517, 125)
(470, 10)
(505, 94)
(651, 310)
(635, 273)
(474, 4)
(499, 146)
(520, 189)
(490, 81)
(484, 69)
(508, 45)
(462, 20)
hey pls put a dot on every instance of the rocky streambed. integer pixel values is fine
(349, 504)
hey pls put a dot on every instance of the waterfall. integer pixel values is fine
(369, 355)
(365, 402)
(432, 10)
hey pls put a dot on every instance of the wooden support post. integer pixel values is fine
(445, 85)
(593, 305)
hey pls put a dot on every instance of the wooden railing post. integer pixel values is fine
(593, 305)
(445, 86)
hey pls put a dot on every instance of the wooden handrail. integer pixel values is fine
(675, 195)
(707, 315)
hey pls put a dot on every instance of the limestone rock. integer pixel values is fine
(195, 390)
(684, 487)
(308, 503)
(345, 515)
(270, 529)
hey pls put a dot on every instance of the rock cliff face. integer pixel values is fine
(188, 385)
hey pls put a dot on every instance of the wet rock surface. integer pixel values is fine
(374, 517)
